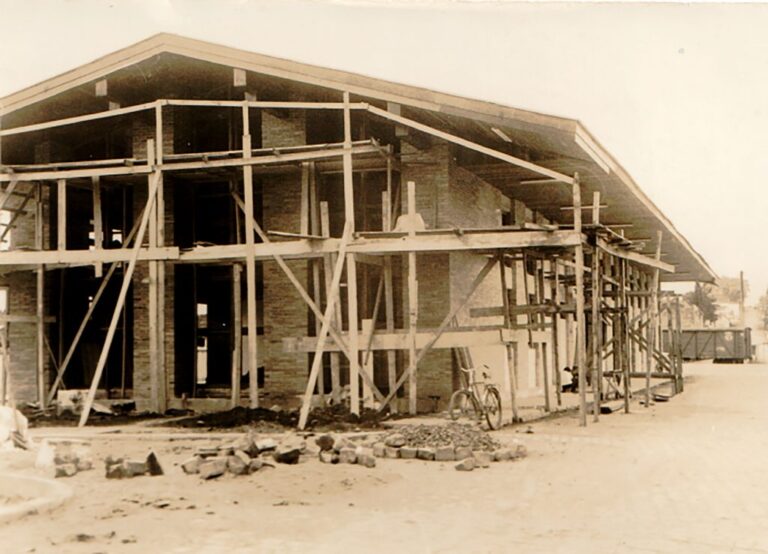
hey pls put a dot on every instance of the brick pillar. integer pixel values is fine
(143, 130)
(285, 313)
(430, 168)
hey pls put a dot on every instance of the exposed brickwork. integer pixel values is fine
(285, 314)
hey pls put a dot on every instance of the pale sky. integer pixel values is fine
(677, 93)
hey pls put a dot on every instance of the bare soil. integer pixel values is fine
(686, 475)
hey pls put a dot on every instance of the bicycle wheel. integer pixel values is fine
(492, 407)
(459, 404)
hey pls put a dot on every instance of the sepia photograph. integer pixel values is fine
(430, 276)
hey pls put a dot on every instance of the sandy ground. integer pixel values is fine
(683, 476)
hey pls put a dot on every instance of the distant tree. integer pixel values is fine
(702, 298)
(728, 290)
(762, 309)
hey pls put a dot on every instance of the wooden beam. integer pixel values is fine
(654, 313)
(349, 215)
(98, 223)
(471, 145)
(581, 357)
(237, 317)
(413, 309)
(336, 314)
(635, 257)
(40, 304)
(61, 214)
(77, 119)
(250, 264)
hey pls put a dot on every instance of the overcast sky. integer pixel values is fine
(677, 93)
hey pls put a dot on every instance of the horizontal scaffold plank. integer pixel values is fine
(84, 257)
(431, 242)
(398, 340)
(635, 257)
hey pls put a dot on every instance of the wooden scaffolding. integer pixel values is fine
(591, 285)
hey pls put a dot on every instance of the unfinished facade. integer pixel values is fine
(190, 225)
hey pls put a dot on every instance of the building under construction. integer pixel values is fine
(190, 225)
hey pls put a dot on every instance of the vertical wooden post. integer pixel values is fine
(162, 381)
(555, 333)
(581, 356)
(154, 337)
(413, 309)
(597, 358)
(510, 350)
(653, 314)
(678, 346)
(367, 331)
(389, 303)
(98, 224)
(40, 311)
(314, 228)
(237, 333)
(61, 219)
(328, 264)
(349, 213)
(623, 332)
(250, 265)
(541, 299)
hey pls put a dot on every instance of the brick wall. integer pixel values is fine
(144, 129)
(285, 313)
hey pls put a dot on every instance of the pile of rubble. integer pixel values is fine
(244, 456)
(467, 444)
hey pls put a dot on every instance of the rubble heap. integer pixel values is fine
(244, 456)
(460, 435)
(468, 445)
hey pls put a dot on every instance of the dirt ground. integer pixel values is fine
(682, 476)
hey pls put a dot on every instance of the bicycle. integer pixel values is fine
(483, 397)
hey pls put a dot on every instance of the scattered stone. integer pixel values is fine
(445, 454)
(192, 465)
(153, 465)
(363, 451)
(255, 465)
(207, 451)
(227, 449)
(134, 467)
(213, 467)
(502, 455)
(116, 471)
(266, 445)
(379, 449)
(482, 459)
(408, 453)
(396, 440)
(247, 444)
(343, 442)
(426, 453)
(467, 464)
(463, 452)
(347, 456)
(238, 463)
(287, 455)
(329, 457)
(325, 442)
(366, 460)
(392, 452)
(65, 470)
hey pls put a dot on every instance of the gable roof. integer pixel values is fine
(600, 171)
